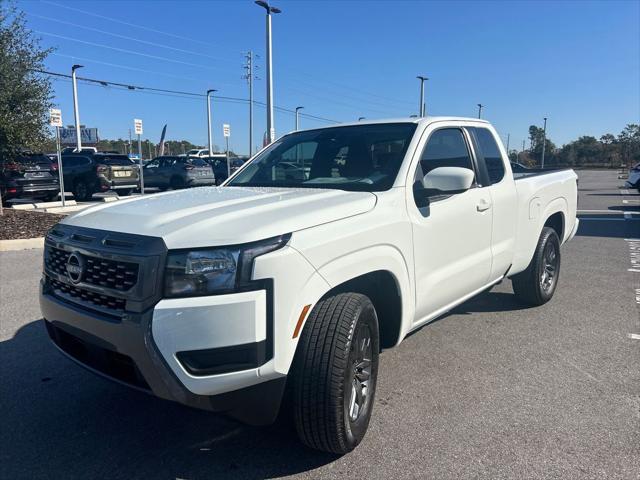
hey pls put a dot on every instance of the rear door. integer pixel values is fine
(493, 158)
(452, 234)
(152, 175)
(74, 167)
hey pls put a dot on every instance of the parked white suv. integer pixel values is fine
(286, 282)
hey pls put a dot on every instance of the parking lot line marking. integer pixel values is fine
(633, 270)
(634, 336)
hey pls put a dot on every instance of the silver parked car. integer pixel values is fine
(178, 172)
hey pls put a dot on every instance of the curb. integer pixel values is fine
(21, 244)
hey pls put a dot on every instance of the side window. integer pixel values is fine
(491, 154)
(446, 148)
(153, 163)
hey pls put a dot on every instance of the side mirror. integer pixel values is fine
(443, 181)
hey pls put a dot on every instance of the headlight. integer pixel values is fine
(214, 270)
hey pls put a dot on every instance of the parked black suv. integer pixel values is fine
(87, 173)
(28, 175)
(177, 172)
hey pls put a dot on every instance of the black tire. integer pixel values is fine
(537, 284)
(330, 367)
(176, 183)
(81, 191)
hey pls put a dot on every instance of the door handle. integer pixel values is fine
(483, 205)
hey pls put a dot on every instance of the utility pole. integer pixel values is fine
(523, 145)
(480, 110)
(544, 140)
(76, 112)
(130, 144)
(508, 138)
(271, 131)
(297, 118)
(250, 76)
(421, 108)
(209, 133)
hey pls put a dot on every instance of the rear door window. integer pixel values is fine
(490, 151)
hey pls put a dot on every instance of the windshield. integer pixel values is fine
(359, 157)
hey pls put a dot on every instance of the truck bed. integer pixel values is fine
(533, 172)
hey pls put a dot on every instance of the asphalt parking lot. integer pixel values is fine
(491, 390)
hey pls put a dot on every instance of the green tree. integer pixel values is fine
(536, 137)
(629, 140)
(25, 96)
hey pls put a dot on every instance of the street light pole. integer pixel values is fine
(210, 135)
(544, 140)
(76, 112)
(421, 108)
(271, 132)
(480, 110)
(297, 117)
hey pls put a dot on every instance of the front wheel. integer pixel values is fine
(335, 373)
(537, 284)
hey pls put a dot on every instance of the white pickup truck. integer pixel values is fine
(276, 292)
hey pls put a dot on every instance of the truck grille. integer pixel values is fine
(117, 305)
(114, 274)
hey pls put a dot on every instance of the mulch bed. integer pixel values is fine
(16, 224)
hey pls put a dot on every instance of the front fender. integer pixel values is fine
(371, 259)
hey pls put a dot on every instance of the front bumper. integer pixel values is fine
(229, 352)
(140, 350)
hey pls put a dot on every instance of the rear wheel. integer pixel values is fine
(81, 191)
(335, 373)
(537, 284)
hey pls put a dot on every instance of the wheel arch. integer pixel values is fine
(381, 273)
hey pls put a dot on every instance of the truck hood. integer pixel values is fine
(210, 216)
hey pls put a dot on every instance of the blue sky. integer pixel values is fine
(576, 62)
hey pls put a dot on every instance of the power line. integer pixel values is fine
(358, 91)
(134, 25)
(107, 83)
(125, 37)
(124, 50)
(117, 65)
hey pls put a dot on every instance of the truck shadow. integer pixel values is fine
(602, 226)
(488, 301)
(60, 421)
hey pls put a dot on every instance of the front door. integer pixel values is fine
(452, 234)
